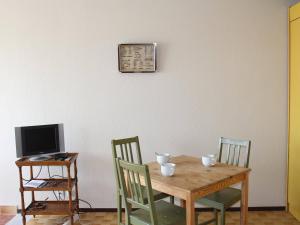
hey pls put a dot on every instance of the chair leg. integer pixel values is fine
(222, 216)
(216, 216)
(119, 209)
(172, 200)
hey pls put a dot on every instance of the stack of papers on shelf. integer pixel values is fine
(34, 183)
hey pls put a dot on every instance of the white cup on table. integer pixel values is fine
(209, 160)
(167, 169)
(162, 158)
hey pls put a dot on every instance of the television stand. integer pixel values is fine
(40, 158)
(68, 206)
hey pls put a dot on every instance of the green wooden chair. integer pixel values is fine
(128, 149)
(146, 210)
(233, 152)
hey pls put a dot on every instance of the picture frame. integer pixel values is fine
(137, 57)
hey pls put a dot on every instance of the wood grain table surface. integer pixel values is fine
(192, 180)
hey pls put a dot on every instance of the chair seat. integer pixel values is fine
(221, 199)
(167, 214)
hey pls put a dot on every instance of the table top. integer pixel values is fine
(190, 174)
(25, 161)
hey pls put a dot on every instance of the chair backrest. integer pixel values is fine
(127, 149)
(234, 152)
(132, 190)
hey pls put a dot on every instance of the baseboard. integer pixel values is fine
(264, 208)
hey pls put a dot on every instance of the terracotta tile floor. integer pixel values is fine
(5, 218)
(255, 218)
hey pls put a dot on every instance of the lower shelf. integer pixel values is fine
(51, 208)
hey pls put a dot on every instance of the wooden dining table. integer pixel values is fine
(192, 181)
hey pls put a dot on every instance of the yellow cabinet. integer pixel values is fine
(294, 112)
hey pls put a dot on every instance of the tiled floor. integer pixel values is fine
(5, 218)
(255, 218)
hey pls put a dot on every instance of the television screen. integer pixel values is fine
(37, 140)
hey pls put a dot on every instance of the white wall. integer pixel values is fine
(292, 2)
(222, 72)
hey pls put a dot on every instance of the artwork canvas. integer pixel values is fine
(137, 58)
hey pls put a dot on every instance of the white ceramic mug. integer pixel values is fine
(167, 169)
(162, 158)
(209, 160)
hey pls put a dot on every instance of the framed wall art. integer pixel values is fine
(137, 58)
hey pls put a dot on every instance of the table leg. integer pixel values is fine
(76, 186)
(190, 211)
(182, 203)
(22, 196)
(244, 201)
(71, 209)
(32, 193)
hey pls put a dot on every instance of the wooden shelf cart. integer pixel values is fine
(37, 207)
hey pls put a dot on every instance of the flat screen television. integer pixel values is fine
(39, 140)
